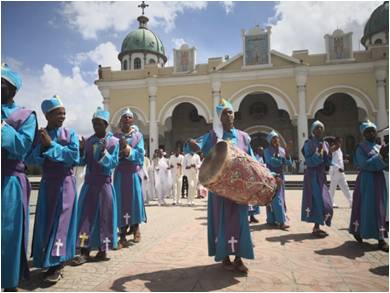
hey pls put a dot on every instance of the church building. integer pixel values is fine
(268, 89)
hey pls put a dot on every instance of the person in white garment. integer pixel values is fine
(176, 162)
(336, 172)
(144, 173)
(191, 165)
(161, 177)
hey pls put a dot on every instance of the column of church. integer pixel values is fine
(301, 78)
(153, 127)
(216, 94)
(381, 118)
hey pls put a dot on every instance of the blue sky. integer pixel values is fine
(56, 46)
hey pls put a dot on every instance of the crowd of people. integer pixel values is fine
(119, 180)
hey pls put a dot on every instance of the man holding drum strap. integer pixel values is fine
(227, 225)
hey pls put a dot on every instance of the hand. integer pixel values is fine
(45, 138)
(103, 148)
(122, 143)
(126, 151)
(82, 144)
(319, 149)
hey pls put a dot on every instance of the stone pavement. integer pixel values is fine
(172, 256)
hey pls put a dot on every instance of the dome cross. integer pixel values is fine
(143, 6)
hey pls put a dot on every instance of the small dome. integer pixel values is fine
(142, 40)
(378, 22)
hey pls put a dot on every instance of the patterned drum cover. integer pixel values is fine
(231, 173)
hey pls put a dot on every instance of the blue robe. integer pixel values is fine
(56, 210)
(316, 202)
(97, 215)
(222, 213)
(128, 183)
(15, 145)
(276, 210)
(370, 195)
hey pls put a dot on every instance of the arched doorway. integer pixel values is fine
(259, 109)
(341, 117)
(184, 123)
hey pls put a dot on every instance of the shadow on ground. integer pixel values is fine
(349, 249)
(298, 237)
(200, 278)
(381, 271)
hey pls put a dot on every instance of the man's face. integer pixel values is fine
(8, 91)
(56, 117)
(370, 134)
(338, 143)
(126, 120)
(99, 126)
(227, 118)
(318, 131)
(260, 150)
(275, 141)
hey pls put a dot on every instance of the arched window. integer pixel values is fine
(137, 63)
(378, 42)
(125, 65)
(152, 61)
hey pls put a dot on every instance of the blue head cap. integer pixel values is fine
(223, 104)
(127, 112)
(50, 104)
(365, 125)
(271, 135)
(102, 114)
(316, 124)
(11, 76)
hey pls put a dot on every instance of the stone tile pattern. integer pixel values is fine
(172, 256)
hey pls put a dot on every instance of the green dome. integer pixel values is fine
(142, 40)
(378, 22)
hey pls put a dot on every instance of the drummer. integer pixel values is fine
(227, 225)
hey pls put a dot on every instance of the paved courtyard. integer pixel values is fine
(172, 256)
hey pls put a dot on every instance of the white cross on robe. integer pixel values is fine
(382, 231)
(58, 244)
(232, 241)
(216, 239)
(307, 212)
(127, 217)
(106, 241)
(356, 224)
(83, 238)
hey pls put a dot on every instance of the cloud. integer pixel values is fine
(79, 97)
(228, 5)
(178, 42)
(90, 18)
(106, 54)
(302, 25)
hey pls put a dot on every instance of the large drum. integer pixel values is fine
(231, 173)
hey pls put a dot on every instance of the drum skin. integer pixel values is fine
(231, 173)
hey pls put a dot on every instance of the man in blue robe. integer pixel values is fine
(276, 157)
(316, 201)
(97, 214)
(55, 219)
(18, 130)
(127, 180)
(368, 215)
(227, 224)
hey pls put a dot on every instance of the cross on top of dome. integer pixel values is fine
(143, 6)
